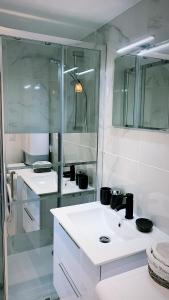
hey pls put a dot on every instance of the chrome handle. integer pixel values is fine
(12, 183)
(74, 288)
(29, 214)
(8, 201)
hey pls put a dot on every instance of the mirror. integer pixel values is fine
(141, 90)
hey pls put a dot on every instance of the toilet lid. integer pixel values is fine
(161, 252)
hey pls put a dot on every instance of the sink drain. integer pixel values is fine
(104, 239)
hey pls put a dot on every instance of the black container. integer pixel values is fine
(66, 174)
(144, 225)
(129, 206)
(83, 181)
(77, 176)
(105, 195)
(72, 173)
(116, 198)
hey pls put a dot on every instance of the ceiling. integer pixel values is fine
(73, 19)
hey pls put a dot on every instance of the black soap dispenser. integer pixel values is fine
(72, 173)
(129, 206)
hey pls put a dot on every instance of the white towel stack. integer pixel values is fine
(158, 261)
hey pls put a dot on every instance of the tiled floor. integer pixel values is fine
(30, 275)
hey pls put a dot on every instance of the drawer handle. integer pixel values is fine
(29, 214)
(70, 236)
(74, 288)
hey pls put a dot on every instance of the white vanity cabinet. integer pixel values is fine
(75, 276)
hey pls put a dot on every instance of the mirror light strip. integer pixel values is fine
(85, 72)
(135, 45)
(70, 70)
(27, 86)
(153, 49)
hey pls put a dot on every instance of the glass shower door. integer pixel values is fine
(32, 94)
(2, 271)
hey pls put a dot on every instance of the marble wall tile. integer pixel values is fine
(120, 172)
(154, 149)
(137, 161)
(153, 195)
(122, 142)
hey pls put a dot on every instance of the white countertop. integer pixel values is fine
(100, 253)
(46, 183)
(133, 285)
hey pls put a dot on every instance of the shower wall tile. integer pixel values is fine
(153, 195)
(154, 149)
(120, 172)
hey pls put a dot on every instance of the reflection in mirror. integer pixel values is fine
(141, 90)
(154, 93)
(124, 91)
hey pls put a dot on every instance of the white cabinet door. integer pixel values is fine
(68, 253)
(75, 265)
(63, 284)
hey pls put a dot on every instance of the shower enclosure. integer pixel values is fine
(50, 107)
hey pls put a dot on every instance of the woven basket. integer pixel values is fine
(158, 279)
(156, 266)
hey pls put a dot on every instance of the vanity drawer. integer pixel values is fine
(67, 253)
(29, 223)
(63, 284)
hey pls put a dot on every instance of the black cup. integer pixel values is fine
(105, 195)
(83, 181)
(77, 176)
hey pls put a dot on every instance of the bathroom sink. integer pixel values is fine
(87, 223)
(100, 222)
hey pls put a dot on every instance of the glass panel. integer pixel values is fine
(83, 181)
(33, 132)
(32, 94)
(30, 260)
(124, 91)
(1, 244)
(1, 207)
(75, 199)
(81, 107)
(30, 230)
(81, 90)
(31, 86)
(155, 91)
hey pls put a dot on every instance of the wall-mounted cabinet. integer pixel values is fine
(141, 92)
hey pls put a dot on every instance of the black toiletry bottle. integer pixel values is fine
(72, 173)
(129, 206)
(83, 181)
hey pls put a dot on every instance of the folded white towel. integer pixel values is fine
(159, 266)
(161, 252)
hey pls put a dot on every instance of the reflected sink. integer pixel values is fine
(97, 222)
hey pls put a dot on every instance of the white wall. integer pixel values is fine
(135, 160)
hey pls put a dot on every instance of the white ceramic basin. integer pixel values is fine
(86, 223)
(102, 222)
